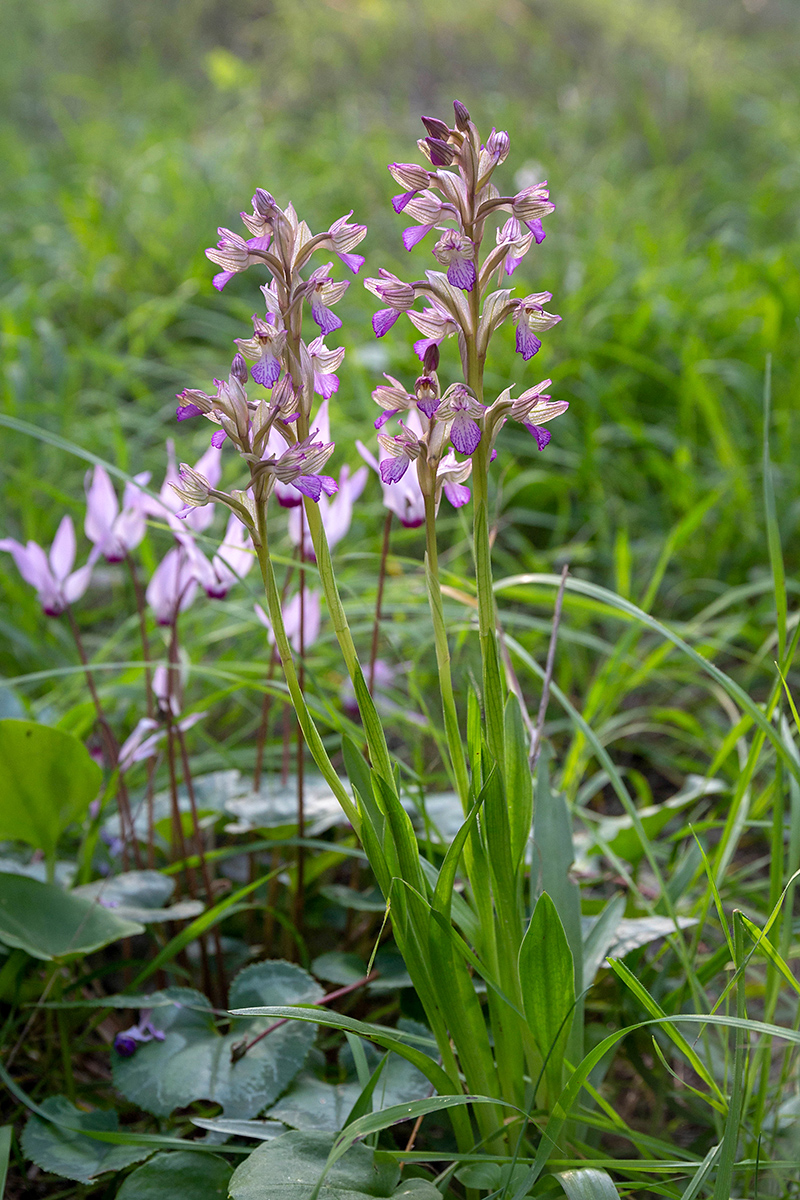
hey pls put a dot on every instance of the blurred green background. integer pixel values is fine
(669, 132)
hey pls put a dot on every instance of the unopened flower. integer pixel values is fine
(173, 585)
(398, 295)
(463, 410)
(497, 145)
(193, 490)
(56, 584)
(530, 318)
(112, 532)
(437, 150)
(455, 251)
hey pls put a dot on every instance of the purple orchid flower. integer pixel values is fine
(531, 318)
(404, 498)
(398, 295)
(323, 292)
(411, 177)
(344, 235)
(166, 508)
(455, 251)
(324, 363)
(112, 532)
(530, 205)
(232, 253)
(426, 209)
(460, 407)
(434, 323)
(56, 584)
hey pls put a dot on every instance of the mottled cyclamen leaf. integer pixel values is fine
(183, 1175)
(73, 1154)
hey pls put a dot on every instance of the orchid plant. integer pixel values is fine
(443, 436)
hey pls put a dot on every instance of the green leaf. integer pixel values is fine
(518, 779)
(587, 1183)
(491, 1176)
(619, 834)
(194, 1060)
(70, 1153)
(338, 967)
(312, 1104)
(47, 922)
(546, 973)
(140, 896)
(183, 1175)
(48, 779)
(5, 1153)
(289, 1168)
(274, 806)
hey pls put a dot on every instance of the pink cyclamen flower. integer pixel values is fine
(56, 584)
(114, 533)
(232, 561)
(337, 514)
(311, 620)
(168, 505)
(173, 586)
(147, 736)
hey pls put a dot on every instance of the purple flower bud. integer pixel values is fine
(441, 154)
(436, 128)
(497, 145)
(430, 358)
(239, 368)
(462, 116)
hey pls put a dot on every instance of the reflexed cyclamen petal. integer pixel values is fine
(325, 385)
(461, 273)
(62, 551)
(428, 405)
(393, 469)
(218, 438)
(354, 261)
(266, 371)
(385, 416)
(541, 434)
(537, 229)
(309, 485)
(329, 485)
(457, 493)
(324, 317)
(527, 342)
(383, 321)
(188, 410)
(414, 234)
(220, 280)
(465, 434)
(399, 202)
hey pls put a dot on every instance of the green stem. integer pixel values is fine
(305, 720)
(454, 743)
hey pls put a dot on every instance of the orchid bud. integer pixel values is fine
(409, 175)
(497, 145)
(430, 359)
(440, 154)
(436, 128)
(462, 116)
(239, 368)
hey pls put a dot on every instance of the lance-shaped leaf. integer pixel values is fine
(546, 974)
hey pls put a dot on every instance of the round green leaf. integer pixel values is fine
(141, 896)
(194, 1060)
(289, 1167)
(48, 923)
(48, 779)
(70, 1153)
(183, 1175)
